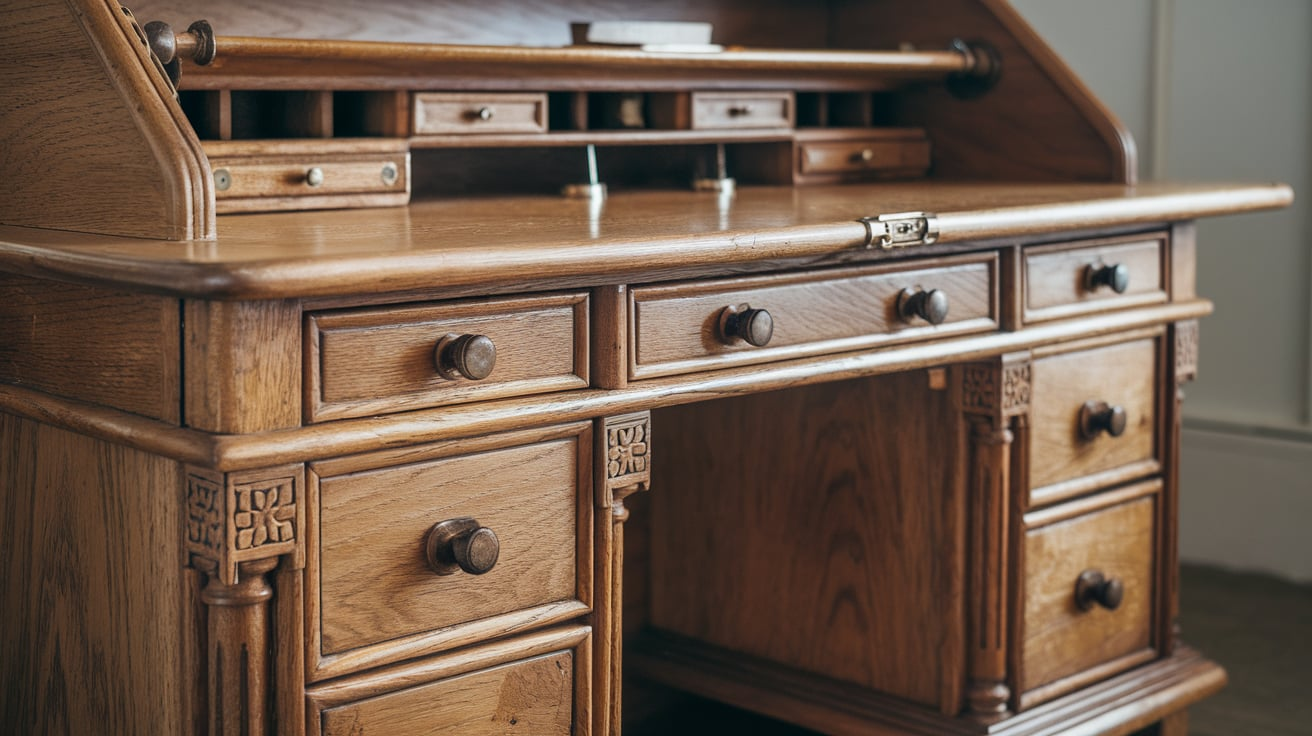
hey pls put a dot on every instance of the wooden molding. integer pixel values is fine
(232, 518)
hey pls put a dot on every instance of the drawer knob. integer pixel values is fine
(931, 306)
(1117, 276)
(1093, 588)
(484, 113)
(314, 177)
(1097, 417)
(865, 156)
(461, 544)
(465, 356)
(740, 110)
(753, 326)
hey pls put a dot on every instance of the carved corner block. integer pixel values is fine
(998, 389)
(244, 516)
(626, 454)
(1186, 351)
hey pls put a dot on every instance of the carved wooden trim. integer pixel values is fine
(997, 389)
(623, 467)
(1186, 351)
(241, 517)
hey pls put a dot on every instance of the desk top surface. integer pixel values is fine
(642, 235)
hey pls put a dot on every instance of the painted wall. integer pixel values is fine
(1220, 90)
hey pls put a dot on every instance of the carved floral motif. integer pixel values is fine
(240, 517)
(627, 450)
(984, 391)
(1186, 350)
(205, 529)
(264, 514)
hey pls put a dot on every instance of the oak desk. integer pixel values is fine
(901, 455)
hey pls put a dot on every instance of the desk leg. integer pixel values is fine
(238, 527)
(623, 467)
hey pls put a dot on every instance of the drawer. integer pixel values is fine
(361, 362)
(1076, 632)
(884, 156)
(453, 113)
(308, 179)
(533, 686)
(387, 572)
(721, 110)
(1072, 279)
(1071, 449)
(679, 328)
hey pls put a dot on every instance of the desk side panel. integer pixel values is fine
(98, 622)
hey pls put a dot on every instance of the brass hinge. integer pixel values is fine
(901, 230)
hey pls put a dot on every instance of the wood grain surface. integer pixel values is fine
(497, 241)
(111, 348)
(242, 365)
(141, 173)
(97, 621)
(1054, 276)
(792, 553)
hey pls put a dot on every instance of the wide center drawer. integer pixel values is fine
(520, 503)
(679, 328)
(361, 362)
(1088, 586)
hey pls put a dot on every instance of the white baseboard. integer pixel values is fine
(1246, 502)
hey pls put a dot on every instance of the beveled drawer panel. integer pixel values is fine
(1074, 633)
(1058, 283)
(1071, 452)
(724, 110)
(537, 685)
(884, 156)
(369, 361)
(458, 113)
(677, 327)
(379, 596)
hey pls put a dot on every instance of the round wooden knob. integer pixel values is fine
(461, 544)
(465, 356)
(1097, 417)
(931, 306)
(1117, 276)
(314, 177)
(741, 322)
(1093, 588)
(865, 156)
(485, 113)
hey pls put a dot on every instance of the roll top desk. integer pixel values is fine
(855, 404)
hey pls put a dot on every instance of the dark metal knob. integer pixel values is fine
(741, 322)
(1117, 276)
(931, 306)
(1093, 588)
(740, 110)
(465, 356)
(461, 544)
(1097, 417)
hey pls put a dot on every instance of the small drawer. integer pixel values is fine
(537, 685)
(1071, 279)
(883, 156)
(1088, 591)
(721, 110)
(1076, 397)
(422, 549)
(452, 113)
(361, 362)
(308, 179)
(684, 327)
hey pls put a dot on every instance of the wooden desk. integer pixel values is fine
(372, 470)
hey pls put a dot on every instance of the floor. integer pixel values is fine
(1259, 628)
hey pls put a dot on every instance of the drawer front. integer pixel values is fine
(724, 110)
(441, 113)
(1078, 638)
(678, 328)
(308, 181)
(1119, 376)
(479, 693)
(379, 596)
(371, 361)
(910, 156)
(1067, 280)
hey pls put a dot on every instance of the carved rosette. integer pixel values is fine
(627, 454)
(240, 517)
(1186, 351)
(998, 389)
